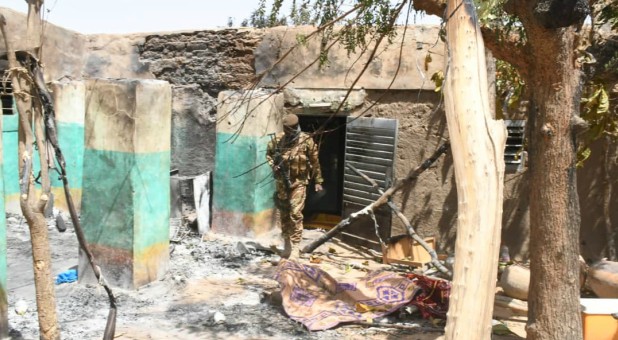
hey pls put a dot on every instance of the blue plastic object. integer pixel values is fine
(67, 276)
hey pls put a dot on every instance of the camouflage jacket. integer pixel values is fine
(301, 157)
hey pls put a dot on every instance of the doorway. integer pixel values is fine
(323, 209)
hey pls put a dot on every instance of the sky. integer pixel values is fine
(132, 16)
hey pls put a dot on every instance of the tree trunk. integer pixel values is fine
(33, 207)
(33, 210)
(554, 205)
(477, 143)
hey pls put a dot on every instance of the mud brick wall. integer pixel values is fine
(199, 65)
(215, 60)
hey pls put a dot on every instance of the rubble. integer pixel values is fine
(212, 290)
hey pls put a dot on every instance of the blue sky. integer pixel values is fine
(129, 16)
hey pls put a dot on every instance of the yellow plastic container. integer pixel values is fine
(599, 324)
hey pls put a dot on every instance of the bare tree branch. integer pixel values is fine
(398, 185)
(432, 253)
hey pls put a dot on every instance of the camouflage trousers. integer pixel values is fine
(291, 212)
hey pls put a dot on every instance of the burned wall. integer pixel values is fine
(199, 65)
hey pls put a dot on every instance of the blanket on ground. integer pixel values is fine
(314, 298)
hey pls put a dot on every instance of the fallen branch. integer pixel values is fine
(434, 256)
(412, 176)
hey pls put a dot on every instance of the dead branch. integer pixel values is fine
(52, 136)
(406, 222)
(412, 176)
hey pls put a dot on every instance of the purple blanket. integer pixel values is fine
(318, 301)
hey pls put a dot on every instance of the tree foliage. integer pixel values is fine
(360, 20)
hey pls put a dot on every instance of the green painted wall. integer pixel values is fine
(131, 195)
(249, 193)
(107, 198)
(9, 155)
(151, 185)
(71, 139)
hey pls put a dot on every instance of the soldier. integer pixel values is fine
(293, 156)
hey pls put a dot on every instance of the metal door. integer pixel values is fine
(370, 147)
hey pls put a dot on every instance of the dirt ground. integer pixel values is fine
(208, 277)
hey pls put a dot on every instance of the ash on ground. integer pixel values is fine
(215, 288)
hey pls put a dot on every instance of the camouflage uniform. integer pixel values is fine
(301, 160)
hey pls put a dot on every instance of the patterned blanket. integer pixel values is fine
(314, 298)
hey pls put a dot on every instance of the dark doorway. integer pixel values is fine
(325, 207)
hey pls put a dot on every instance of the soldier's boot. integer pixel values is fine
(287, 248)
(295, 252)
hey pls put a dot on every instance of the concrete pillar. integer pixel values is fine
(126, 182)
(243, 205)
(70, 108)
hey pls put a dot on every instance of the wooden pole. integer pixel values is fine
(477, 144)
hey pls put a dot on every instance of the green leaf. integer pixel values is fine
(438, 80)
(603, 102)
(301, 39)
(582, 156)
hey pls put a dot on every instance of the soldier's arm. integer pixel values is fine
(315, 162)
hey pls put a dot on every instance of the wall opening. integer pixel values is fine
(6, 96)
(514, 152)
(323, 209)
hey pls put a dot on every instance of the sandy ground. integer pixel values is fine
(207, 276)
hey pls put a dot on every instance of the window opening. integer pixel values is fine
(6, 95)
(514, 153)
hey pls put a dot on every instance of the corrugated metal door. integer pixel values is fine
(370, 148)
